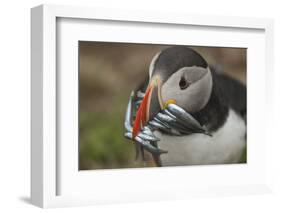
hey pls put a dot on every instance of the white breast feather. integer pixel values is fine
(225, 146)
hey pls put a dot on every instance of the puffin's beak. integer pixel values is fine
(149, 106)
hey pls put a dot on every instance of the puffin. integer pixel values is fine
(187, 113)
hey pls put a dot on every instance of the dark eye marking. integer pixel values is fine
(183, 83)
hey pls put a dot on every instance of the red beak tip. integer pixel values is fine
(141, 114)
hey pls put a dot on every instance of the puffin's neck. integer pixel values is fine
(214, 114)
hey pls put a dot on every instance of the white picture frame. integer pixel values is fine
(48, 166)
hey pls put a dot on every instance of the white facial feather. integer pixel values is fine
(196, 96)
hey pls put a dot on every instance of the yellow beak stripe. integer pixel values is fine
(170, 101)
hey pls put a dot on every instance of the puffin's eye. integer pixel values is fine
(183, 83)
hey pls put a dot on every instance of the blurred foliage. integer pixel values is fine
(244, 156)
(102, 144)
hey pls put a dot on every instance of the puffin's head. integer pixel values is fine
(177, 75)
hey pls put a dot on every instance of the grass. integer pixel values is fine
(102, 144)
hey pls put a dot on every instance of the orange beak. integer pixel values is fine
(141, 116)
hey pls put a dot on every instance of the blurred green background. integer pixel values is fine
(108, 73)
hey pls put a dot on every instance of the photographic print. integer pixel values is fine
(150, 105)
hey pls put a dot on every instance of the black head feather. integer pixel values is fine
(172, 59)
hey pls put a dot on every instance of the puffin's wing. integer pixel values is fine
(234, 92)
